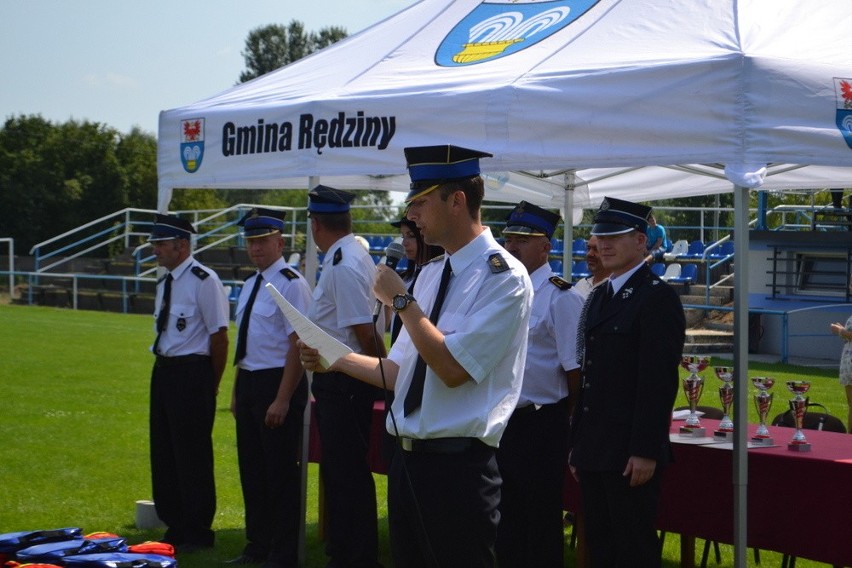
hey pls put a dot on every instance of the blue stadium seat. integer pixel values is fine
(556, 246)
(695, 251)
(581, 270)
(724, 250)
(578, 248)
(658, 268)
(688, 275)
(556, 266)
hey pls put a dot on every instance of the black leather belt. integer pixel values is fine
(179, 360)
(440, 445)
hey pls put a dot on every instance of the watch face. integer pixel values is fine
(399, 302)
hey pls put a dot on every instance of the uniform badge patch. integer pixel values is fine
(497, 264)
(199, 272)
(559, 282)
(338, 256)
(289, 274)
(181, 324)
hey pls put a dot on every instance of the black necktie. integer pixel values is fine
(163, 314)
(242, 333)
(609, 292)
(414, 396)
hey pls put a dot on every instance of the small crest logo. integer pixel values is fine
(497, 28)
(191, 143)
(843, 90)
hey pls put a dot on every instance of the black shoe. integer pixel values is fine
(190, 547)
(244, 559)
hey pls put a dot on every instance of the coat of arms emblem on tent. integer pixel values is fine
(501, 27)
(191, 143)
(843, 88)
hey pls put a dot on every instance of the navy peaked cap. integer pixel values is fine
(259, 222)
(430, 166)
(168, 227)
(616, 216)
(529, 219)
(324, 199)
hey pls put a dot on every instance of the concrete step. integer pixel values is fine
(702, 341)
(695, 299)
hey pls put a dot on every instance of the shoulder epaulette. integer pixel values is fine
(497, 263)
(289, 273)
(200, 272)
(439, 258)
(560, 283)
(338, 256)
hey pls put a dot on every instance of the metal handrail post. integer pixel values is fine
(74, 291)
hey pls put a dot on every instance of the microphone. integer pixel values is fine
(393, 254)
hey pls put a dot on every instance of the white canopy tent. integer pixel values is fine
(592, 88)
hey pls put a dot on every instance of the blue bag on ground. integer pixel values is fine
(11, 543)
(119, 560)
(55, 551)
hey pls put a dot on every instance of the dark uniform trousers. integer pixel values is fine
(183, 407)
(442, 507)
(532, 458)
(344, 414)
(269, 465)
(620, 520)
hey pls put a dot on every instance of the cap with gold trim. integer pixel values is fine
(324, 199)
(169, 227)
(531, 220)
(430, 166)
(259, 222)
(616, 216)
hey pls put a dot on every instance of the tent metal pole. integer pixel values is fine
(568, 225)
(741, 381)
(311, 264)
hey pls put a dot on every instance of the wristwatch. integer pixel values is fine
(401, 301)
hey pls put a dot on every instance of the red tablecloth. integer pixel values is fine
(797, 502)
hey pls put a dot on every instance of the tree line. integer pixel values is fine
(55, 177)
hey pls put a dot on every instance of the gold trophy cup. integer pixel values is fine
(799, 406)
(763, 403)
(693, 386)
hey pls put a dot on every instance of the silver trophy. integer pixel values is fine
(763, 403)
(693, 386)
(799, 406)
(726, 397)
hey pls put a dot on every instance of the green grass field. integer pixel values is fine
(74, 390)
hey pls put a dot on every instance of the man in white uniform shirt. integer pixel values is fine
(269, 398)
(191, 350)
(534, 449)
(342, 306)
(456, 369)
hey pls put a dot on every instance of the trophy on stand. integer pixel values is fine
(726, 396)
(799, 406)
(763, 403)
(693, 386)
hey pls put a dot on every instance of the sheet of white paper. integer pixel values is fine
(682, 414)
(330, 349)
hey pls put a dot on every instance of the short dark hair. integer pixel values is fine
(473, 189)
(337, 222)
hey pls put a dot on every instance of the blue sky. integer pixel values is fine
(121, 62)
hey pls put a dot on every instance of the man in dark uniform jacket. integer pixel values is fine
(633, 334)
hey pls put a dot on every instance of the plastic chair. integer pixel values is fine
(580, 270)
(294, 260)
(672, 271)
(556, 246)
(578, 247)
(724, 250)
(688, 275)
(679, 249)
(556, 266)
(695, 250)
(821, 420)
(658, 268)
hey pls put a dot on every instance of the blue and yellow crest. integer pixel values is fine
(191, 143)
(843, 89)
(497, 28)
